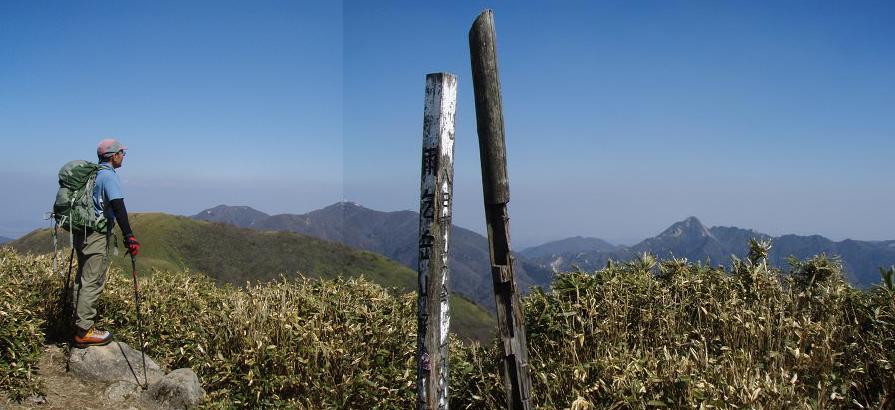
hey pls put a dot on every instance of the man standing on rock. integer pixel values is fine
(93, 246)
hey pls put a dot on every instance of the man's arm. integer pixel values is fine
(120, 211)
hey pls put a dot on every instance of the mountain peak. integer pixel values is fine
(220, 207)
(343, 205)
(691, 220)
(243, 216)
(690, 227)
(228, 208)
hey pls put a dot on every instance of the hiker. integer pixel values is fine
(93, 246)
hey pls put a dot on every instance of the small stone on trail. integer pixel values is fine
(37, 400)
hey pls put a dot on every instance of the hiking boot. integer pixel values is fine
(92, 337)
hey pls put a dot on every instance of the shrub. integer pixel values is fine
(646, 333)
(302, 344)
(21, 337)
(691, 335)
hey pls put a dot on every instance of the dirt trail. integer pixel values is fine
(64, 391)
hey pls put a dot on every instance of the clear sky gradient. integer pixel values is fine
(218, 102)
(621, 117)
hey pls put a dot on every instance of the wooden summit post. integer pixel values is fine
(436, 186)
(495, 185)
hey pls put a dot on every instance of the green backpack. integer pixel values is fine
(73, 210)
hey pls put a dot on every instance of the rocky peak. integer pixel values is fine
(688, 228)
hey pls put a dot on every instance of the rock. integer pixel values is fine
(122, 391)
(37, 399)
(179, 389)
(113, 362)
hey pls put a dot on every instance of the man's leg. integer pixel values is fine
(93, 263)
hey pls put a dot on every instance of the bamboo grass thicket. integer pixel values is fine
(639, 334)
(676, 334)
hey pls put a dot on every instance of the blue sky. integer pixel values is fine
(621, 117)
(218, 101)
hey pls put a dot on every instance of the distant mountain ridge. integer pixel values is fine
(393, 234)
(4, 239)
(692, 240)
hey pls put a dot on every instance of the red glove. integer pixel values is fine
(133, 247)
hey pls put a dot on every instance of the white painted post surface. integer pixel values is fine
(436, 189)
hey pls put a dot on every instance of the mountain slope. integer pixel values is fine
(569, 245)
(4, 239)
(395, 235)
(236, 255)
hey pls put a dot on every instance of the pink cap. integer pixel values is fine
(109, 146)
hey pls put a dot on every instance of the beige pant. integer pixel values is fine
(93, 266)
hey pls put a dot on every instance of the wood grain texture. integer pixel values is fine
(496, 194)
(489, 109)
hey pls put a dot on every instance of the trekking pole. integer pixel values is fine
(139, 320)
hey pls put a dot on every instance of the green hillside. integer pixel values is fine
(235, 255)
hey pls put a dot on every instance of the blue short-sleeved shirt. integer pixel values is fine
(107, 188)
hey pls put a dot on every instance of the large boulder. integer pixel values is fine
(179, 389)
(113, 362)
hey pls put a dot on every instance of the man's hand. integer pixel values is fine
(133, 247)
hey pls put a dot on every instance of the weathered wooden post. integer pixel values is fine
(492, 150)
(435, 228)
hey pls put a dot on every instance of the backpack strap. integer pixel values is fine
(98, 222)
